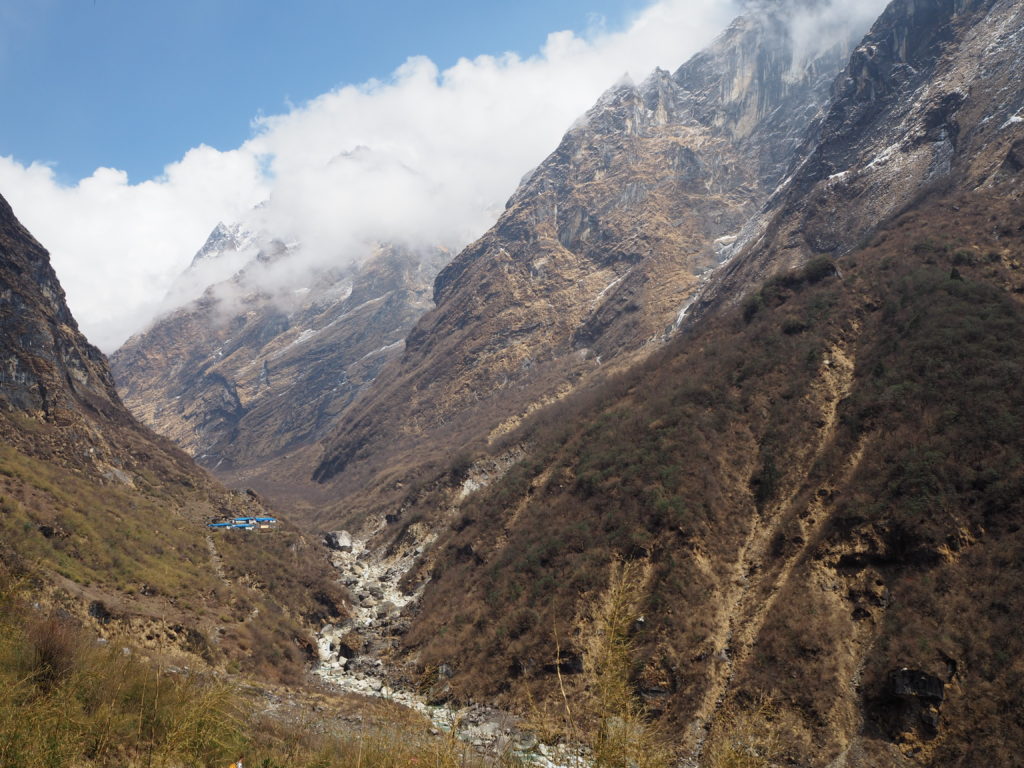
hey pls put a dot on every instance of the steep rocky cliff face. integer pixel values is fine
(599, 249)
(931, 101)
(247, 375)
(820, 476)
(49, 369)
(109, 520)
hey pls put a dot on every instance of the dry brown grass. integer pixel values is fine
(601, 709)
(70, 703)
(744, 737)
(620, 732)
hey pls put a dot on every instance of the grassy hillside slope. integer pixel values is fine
(825, 486)
(111, 519)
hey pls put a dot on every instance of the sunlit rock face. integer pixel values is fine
(930, 101)
(605, 243)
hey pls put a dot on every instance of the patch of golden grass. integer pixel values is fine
(71, 703)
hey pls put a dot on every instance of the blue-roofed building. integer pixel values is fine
(245, 523)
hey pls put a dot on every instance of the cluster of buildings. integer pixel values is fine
(246, 523)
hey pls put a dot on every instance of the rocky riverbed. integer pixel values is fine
(354, 656)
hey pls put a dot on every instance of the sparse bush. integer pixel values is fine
(765, 482)
(964, 257)
(54, 650)
(460, 466)
(817, 269)
(751, 305)
(612, 714)
(792, 327)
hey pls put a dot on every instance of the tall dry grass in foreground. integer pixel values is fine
(603, 711)
(745, 737)
(68, 703)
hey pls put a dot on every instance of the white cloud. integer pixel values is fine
(816, 29)
(116, 247)
(426, 156)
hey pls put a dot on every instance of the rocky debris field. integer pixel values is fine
(354, 654)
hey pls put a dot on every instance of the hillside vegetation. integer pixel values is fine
(71, 702)
(138, 563)
(112, 518)
(826, 486)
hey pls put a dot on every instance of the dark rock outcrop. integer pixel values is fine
(339, 540)
(911, 684)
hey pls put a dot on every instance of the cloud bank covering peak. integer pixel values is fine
(425, 157)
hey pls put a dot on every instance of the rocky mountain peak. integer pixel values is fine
(903, 45)
(927, 102)
(605, 242)
(253, 372)
(225, 238)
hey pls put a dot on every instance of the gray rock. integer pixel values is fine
(440, 693)
(525, 742)
(489, 730)
(913, 683)
(339, 540)
(325, 648)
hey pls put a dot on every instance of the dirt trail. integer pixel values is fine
(216, 561)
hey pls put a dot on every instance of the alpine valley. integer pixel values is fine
(710, 452)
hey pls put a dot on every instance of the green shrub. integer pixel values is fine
(817, 269)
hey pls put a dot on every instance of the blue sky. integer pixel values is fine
(133, 84)
(132, 127)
